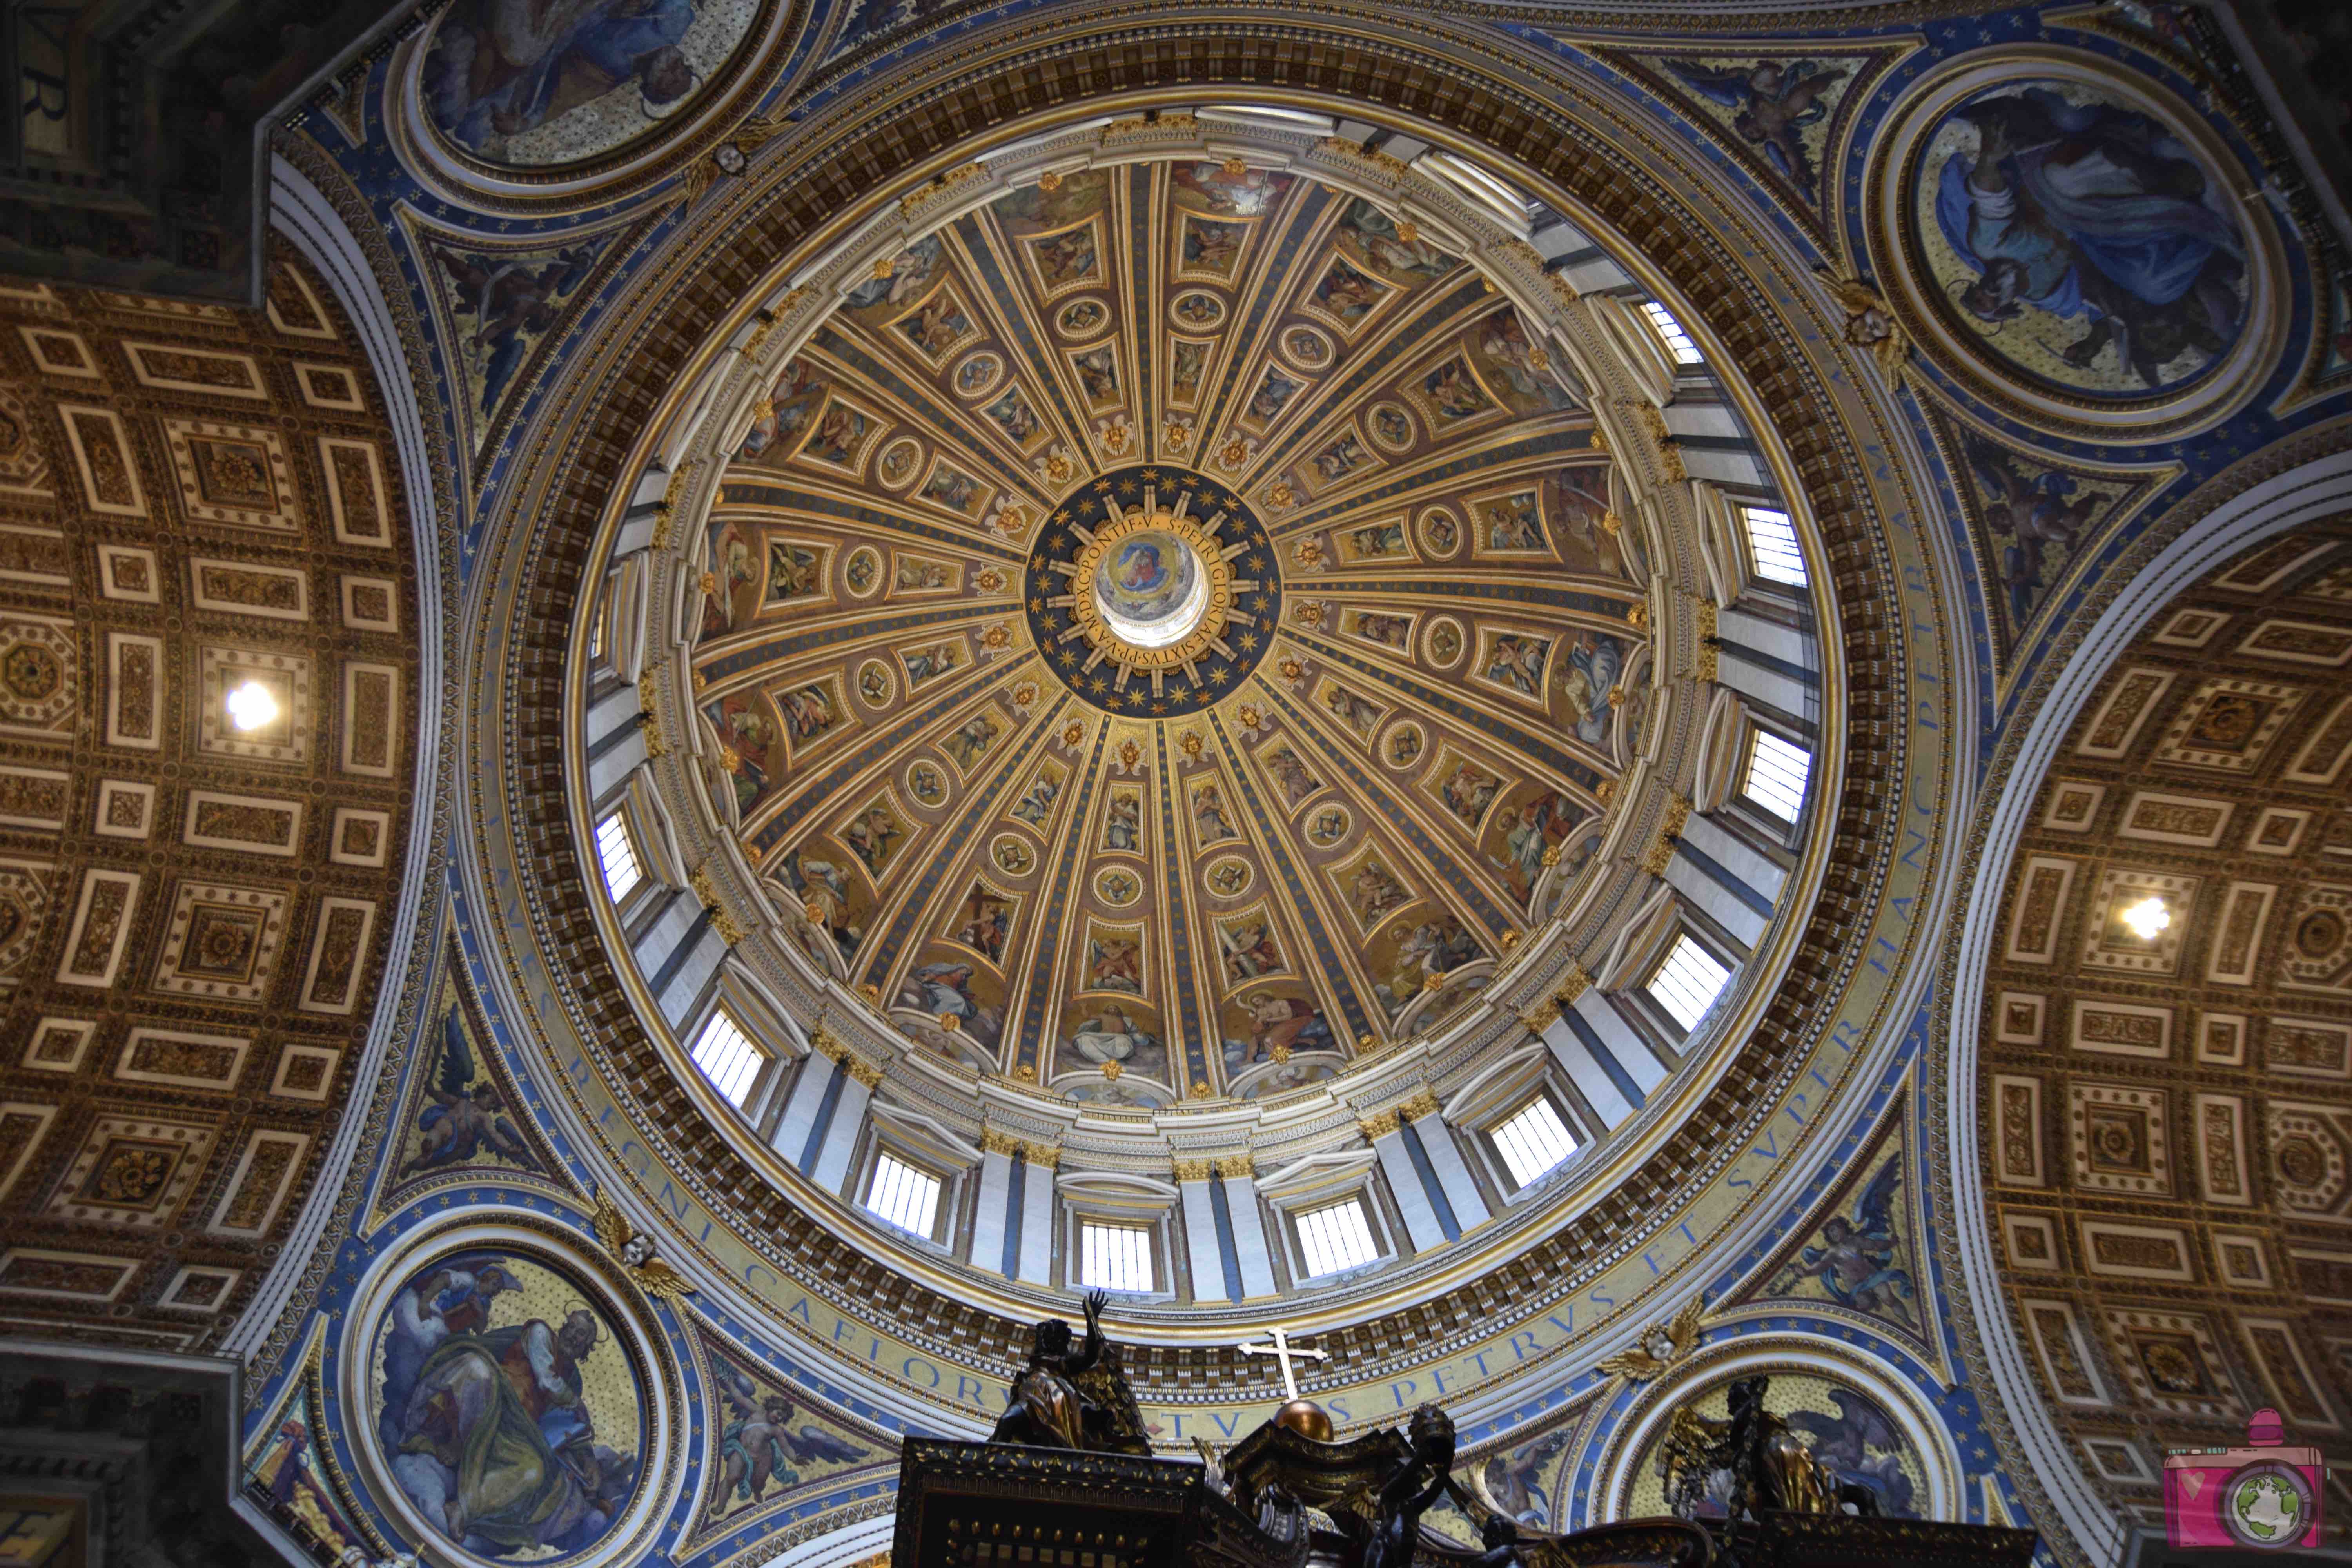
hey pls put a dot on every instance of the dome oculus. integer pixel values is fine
(1152, 590)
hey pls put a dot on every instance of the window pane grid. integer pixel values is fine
(905, 1195)
(1772, 542)
(1686, 352)
(1336, 1237)
(619, 856)
(1533, 1141)
(1114, 1256)
(728, 1058)
(1776, 775)
(1688, 982)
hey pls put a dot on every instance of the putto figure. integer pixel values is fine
(1073, 1399)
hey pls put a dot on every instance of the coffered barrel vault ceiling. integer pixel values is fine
(2169, 1115)
(192, 915)
(1383, 769)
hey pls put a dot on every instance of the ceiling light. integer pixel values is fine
(2148, 919)
(251, 705)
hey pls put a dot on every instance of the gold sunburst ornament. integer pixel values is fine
(1660, 1346)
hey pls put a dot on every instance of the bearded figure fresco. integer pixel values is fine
(509, 1413)
(2089, 244)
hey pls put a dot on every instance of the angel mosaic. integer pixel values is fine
(1859, 1260)
(466, 1120)
(758, 1445)
(823, 889)
(1774, 104)
(2037, 515)
(513, 301)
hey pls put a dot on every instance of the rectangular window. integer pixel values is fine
(1114, 1257)
(907, 1195)
(1772, 545)
(1688, 982)
(620, 857)
(1336, 1237)
(727, 1056)
(1776, 775)
(1532, 1140)
(1677, 341)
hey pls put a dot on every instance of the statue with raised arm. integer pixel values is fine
(1407, 1491)
(1057, 1401)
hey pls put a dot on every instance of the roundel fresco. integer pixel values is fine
(1164, 623)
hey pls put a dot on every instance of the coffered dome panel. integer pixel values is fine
(1201, 650)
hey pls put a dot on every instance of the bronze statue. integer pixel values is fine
(1067, 1398)
(1407, 1491)
(1755, 1459)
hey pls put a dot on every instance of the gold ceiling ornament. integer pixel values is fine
(871, 994)
(1612, 524)
(1660, 1345)
(885, 268)
(1377, 1126)
(1176, 436)
(722, 922)
(1112, 1069)
(827, 1044)
(1670, 453)
(1604, 792)
(1538, 360)
(813, 909)
(1199, 1089)
(1048, 1155)
(922, 194)
(1510, 939)
(1073, 734)
(1236, 166)
(1049, 182)
(1280, 1053)
(1432, 980)
(868, 1073)
(709, 583)
(730, 760)
(1282, 495)
(634, 1251)
(1408, 232)
(1025, 1073)
(1057, 467)
(1597, 439)
(951, 1022)
(1564, 290)
(1232, 453)
(1219, 587)
(1191, 744)
(1870, 326)
(1366, 1043)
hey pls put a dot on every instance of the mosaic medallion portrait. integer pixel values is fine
(538, 86)
(2079, 241)
(509, 1410)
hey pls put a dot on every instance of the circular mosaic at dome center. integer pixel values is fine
(1152, 590)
